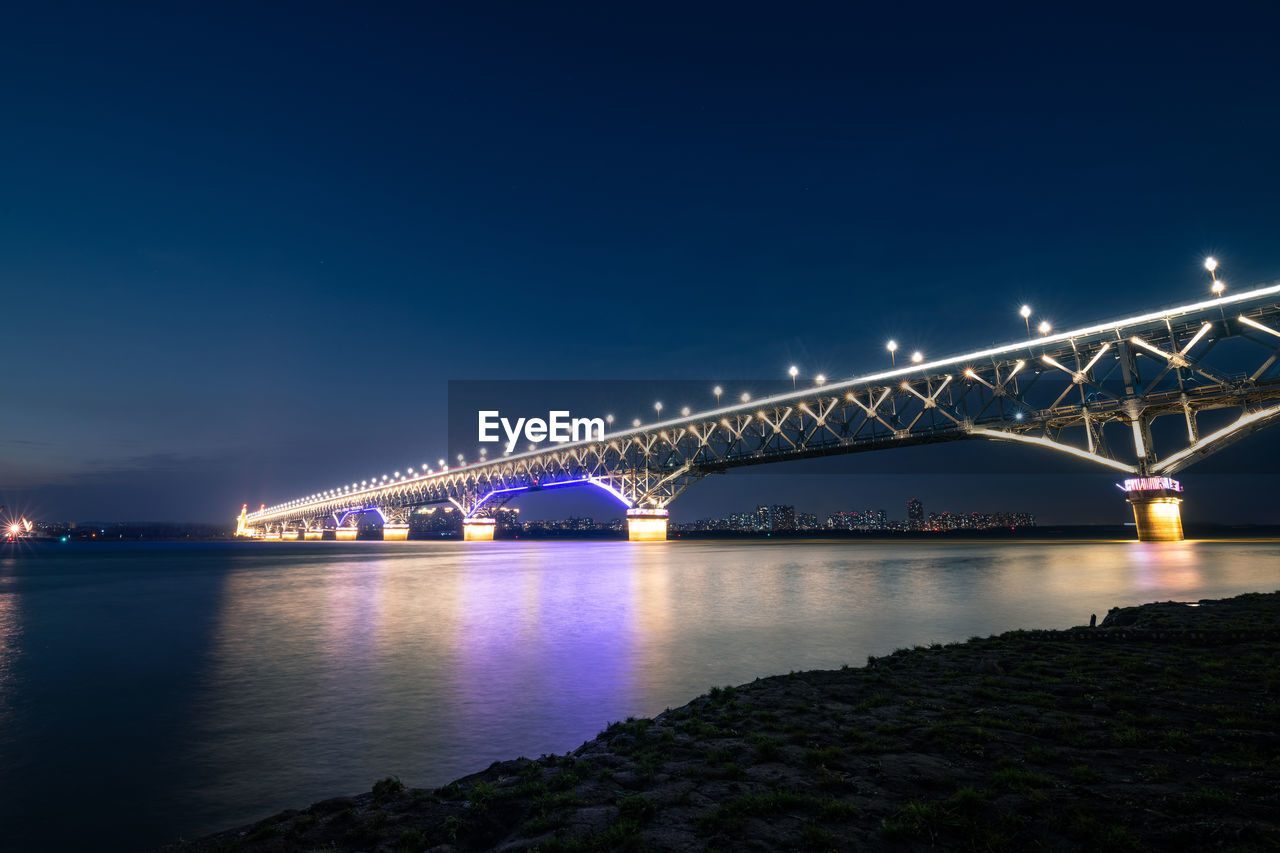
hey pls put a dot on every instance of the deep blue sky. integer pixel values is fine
(242, 250)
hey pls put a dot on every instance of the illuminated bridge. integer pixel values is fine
(1146, 396)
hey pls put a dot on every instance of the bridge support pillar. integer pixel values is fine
(313, 535)
(392, 532)
(346, 534)
(478, 529)
(647, 525)
(1157, 508)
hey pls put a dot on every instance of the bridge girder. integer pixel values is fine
(1077, 393)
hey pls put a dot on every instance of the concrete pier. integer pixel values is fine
(345, 534)
(647, 525)
(1157, 508)
(395, 532)
(478, 529)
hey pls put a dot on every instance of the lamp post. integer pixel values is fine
(1211, 264)
(1044, 328)
(1025, 311)
(892, 347)
(717, 391)
(794, 371)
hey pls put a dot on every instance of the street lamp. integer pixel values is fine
(746, 398)
(685, 411)
(917, 357)
(636, 422)
(1025, 311)
(892, 347)
(1211, 264)
(657, 407)
(794, 371)
(1044, 328)
(821, 379)
(717, 391)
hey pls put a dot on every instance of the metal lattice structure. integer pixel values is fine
(1094, 393)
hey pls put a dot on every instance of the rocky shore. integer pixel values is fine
(1158, 729)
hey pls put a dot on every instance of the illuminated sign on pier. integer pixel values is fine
(1152, 484)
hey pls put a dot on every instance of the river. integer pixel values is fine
(151, 691)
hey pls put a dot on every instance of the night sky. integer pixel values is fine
(244, 250)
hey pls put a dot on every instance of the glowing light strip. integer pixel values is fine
(715, 414)
(1259, 326)
(351, 512)
(1044, 442)
(1139, 446)
(1140, 342)
(1240, 423)
(592, 481)
(1196, 338)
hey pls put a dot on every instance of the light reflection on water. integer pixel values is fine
(270, 675)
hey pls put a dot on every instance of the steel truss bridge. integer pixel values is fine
(1147, 396)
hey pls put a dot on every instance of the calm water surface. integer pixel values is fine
(148, 692)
